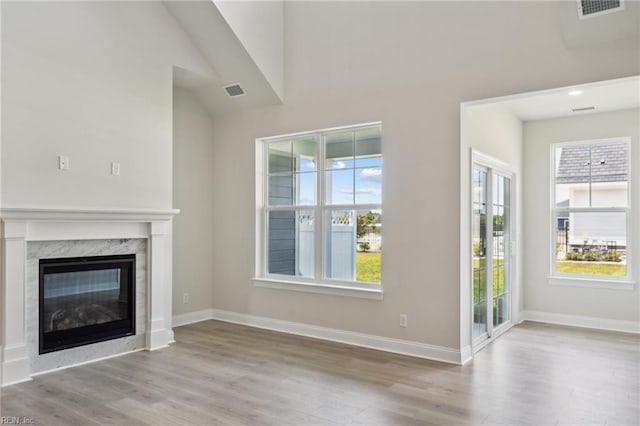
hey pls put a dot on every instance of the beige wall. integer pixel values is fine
(494, 131)
(408, 65)
(193, 227)
(539, 294)
(93, 81)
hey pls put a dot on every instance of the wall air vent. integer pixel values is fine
(591, 8)
(234, 90)
(590, 108)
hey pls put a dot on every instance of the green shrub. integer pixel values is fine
(590, 255)
(612, 256)
(573, 255)
(365, 246)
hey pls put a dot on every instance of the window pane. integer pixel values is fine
(479, 248)
(572, 176)
(281, 190)
(340, 250)
(501, 249)
(339, 151)
(368, 148)
(291, 243)
(287, 190)
(592, 243)
(368, 185)
(369, 246)
(306, 189)
(280, 157)
(339, 186)
(354, 245)
(609, 174)
(592, 175)
(304, 152)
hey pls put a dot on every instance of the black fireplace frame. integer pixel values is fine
(64, 339)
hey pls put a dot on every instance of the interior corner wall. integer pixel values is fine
(492, 130)
(92, 81)
(409, 65)
(193, 227)
(540, 296)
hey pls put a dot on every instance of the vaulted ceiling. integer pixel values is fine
(243, 43)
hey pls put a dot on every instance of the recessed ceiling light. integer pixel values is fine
(575, 93)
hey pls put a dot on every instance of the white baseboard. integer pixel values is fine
(466, 354)
(404, 347)
(15, 371)
(582, 321)
(192, 317)
(15, 364)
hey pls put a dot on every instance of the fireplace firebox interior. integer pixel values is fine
(86, 300)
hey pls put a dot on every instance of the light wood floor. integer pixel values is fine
(220, 373)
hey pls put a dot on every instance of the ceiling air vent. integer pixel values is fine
(591, 8)
(589, 108)
(234, 90)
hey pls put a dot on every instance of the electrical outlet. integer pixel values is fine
(185, 298)
(115, 168)
(63, 162)
(403, 320)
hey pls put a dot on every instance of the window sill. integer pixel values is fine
(320, 288)
(592, 283)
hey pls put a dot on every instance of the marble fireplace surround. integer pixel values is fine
(21, 226)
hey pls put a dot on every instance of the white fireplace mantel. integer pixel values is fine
(19, 225)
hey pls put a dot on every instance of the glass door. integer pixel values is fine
(501, 250)
(491, 242)
(479, 256)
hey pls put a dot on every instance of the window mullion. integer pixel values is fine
(591, 210)
(590, 178)
(319, 210)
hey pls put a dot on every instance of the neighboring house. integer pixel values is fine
(603, 172)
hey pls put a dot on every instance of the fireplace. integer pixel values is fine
(85, 300)
(31, 234)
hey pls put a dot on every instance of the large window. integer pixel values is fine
(320, 207)
(590, 210)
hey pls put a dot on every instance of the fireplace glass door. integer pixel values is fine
(86, 300)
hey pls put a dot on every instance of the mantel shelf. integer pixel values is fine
(64, 214)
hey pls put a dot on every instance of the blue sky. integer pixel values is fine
(344, 178)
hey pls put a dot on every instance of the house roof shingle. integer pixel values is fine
(609, 163)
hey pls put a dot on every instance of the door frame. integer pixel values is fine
(492, 164)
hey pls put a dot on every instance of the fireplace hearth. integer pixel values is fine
(84, 300)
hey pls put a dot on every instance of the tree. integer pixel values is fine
(364, 222)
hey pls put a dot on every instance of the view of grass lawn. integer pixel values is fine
(480, 278)
(368, 266)
(592, 268)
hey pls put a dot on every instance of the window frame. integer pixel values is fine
(319, 283)
(585, 280)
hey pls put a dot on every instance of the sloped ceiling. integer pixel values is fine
(213, 35)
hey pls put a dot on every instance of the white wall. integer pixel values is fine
(91, 80)
(408, 65)
(193, 227)
(539, 295)
(494, 131)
